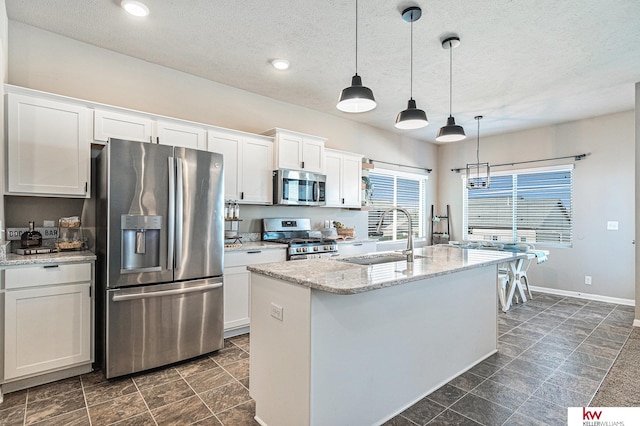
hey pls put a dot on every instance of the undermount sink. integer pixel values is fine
(375, 259)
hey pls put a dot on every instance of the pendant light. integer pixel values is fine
(356, 98)
(451, 132)
(412, 117)
(478, 173)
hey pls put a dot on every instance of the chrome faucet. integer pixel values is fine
(409, 250)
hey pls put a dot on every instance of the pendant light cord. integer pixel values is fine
(356, 37)
(411, 67)
(478, 144)
(450, 77)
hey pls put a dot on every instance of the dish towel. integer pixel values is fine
(540, 255)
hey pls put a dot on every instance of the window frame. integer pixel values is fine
(514, 229)
(422, 227)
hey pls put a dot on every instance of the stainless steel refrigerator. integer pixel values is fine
(160, 255)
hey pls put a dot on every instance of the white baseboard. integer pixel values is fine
(636, 323)
(588, 296)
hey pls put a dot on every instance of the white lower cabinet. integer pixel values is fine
(48, 319)
(237, 281)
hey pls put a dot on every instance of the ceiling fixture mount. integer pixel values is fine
(478, 173)
(280, 64)
(135, 8)
(356, 98)
(412, 117)
(451, 132)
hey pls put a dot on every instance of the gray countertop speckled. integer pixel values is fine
(37, 259)
(253, 245)
(339, 277)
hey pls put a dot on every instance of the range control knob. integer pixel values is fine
(315, 248)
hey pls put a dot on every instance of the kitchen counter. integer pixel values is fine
(36, 259)
(334, 276)
(256, 245)
(325, 350)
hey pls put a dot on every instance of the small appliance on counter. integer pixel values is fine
(32, 239)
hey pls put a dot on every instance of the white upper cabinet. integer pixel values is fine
(48, 147)
(248, 162)
(344, 175)
(109, 124)
(297, 151)
(256, 171)
(186, 136)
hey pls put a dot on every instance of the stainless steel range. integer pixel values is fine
(296, 233)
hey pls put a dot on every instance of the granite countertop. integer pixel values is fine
(256, 245)
(38, 259)
(334, 276)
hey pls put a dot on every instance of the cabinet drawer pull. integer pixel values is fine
(50, 266)
(303, 164)
(254, 251)
(357, 244)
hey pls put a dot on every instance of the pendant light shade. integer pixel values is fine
(356, 98)
(451, 132)
(412, 117)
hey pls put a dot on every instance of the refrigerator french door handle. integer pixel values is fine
(136, 296)
(179, 211)
(171, 218)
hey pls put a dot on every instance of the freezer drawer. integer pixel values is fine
(156, 325)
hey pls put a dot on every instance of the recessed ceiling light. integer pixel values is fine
(135, 7)
(280, 64)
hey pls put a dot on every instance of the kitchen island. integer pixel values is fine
(337, 343)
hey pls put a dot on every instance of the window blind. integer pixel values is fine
(532, 206)
(392, 189)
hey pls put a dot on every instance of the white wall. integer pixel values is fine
(45, 61)
(637, 199)
(604, 190)
(4, 43)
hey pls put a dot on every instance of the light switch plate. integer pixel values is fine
(612, 225)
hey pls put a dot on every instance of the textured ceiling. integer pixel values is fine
(521, 64)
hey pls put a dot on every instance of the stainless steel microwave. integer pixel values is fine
(298, 188)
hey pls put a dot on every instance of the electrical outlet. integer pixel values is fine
(587, 280)
(612, 225)
(276, 311)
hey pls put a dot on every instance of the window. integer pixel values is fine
(532, 206)
(397, 189)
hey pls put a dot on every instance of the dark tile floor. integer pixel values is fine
(553, 353)
(210, 390)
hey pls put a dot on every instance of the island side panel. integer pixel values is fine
(280, 352)
(376, 353)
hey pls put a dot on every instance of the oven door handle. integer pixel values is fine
(161, 293)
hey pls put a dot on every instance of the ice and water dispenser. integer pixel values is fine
(141, 243)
